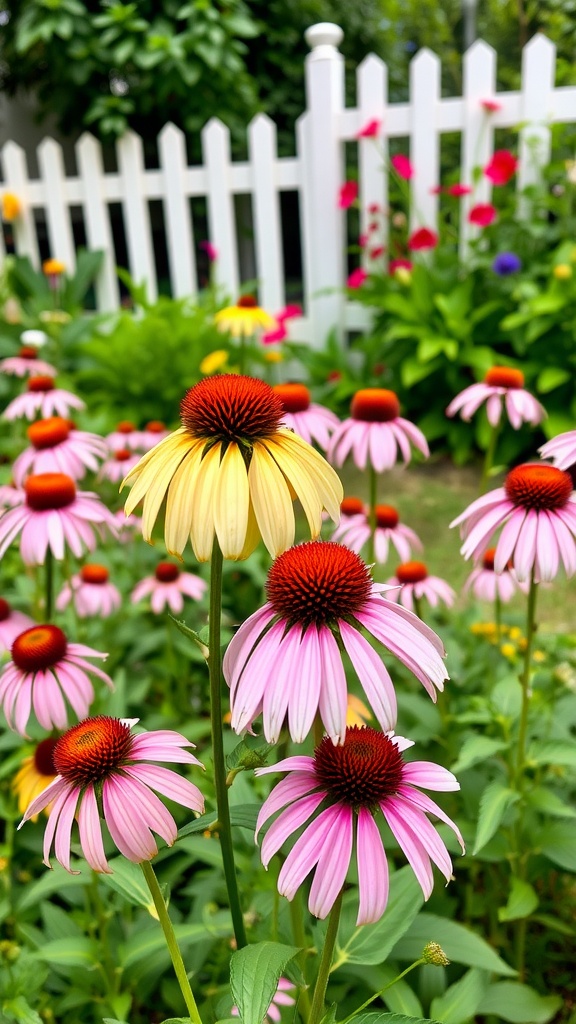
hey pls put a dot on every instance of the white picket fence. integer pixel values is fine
(316, 173)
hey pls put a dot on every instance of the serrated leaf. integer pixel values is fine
(522, 901)
(460, 1002)
(254, 975)
(518, 1003)
(371, 943)
(70, 952)
(476, 749)
(461, 945)
(554, 752)
(18, 1010)
(494, 802)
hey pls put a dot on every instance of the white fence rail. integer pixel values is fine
(315, 173)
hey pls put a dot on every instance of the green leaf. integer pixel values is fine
(70, 952)
(518, 1003)
(522, 901)
(553, 752)
(460, 1002)
(494, 802)
(552, 377)
(179, 1020)
(556, 841)
(53, 881)
(149, 940)
(254, 975)
(389, 1018)
(547, 802)
(243, 816)
(371, 943)
(412, 371)
(128, 880)
(476, 749)
(18, 1010)
(461, 945)
(190, 634)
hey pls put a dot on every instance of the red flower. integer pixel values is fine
(395, 265)
(348, 194)
(377, 251)
(482, 214)
(422, 238)
(278, 334)
(334, 375)
(370, 130)
(459, 190)
(288, 313)
(502, 167)
(356, 278)
(374, 208)
(490, 106)
(403, 167)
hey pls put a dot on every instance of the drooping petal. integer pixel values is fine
(373, 675)
(372, 869)
(333, 701)
(288, 822)
(91, 832)
(271, 500)
(287, 791)
(333, 862)
(231, 503)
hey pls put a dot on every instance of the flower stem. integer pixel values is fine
(418, 606)
(299, 936)
(215, 670)
(525, 682)
(489, 457)
(372, 501)
(398, 977)
(498, 616)
(171, 941)
(317, 1011)
(49, 600)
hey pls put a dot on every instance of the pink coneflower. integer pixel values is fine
(482, 215)
(502, 167)
(44, 670)
(27, 364)
(355, 532)
(356, 278)
(154, 432)
(561, 449)
(10, 496)
(125, 436)
(285, 659)
(502, 386)
(121, 462)
(12, 622)
(375, 433)
(54, 515)
(403, 167)
(100, 759)
(167, 586)
(127, 526)
(537, 510)
(42, 399)
(412, 583)
(488, 585)
(421, 239)
(280, 998)
(309, 420)
(371, 129)
(353, 785)
(348, 194)
(92, 592)
(58, 448)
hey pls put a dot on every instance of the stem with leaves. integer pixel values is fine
(317, 1011)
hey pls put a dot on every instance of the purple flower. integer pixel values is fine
(506, 263)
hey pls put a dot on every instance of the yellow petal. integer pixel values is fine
(172, 455)
(301, 481)
(328, 483)
(166, 444)
(202, 530)
(178, 521)
(271, 500)
(159, 473)
(231, 502)
(252, 535)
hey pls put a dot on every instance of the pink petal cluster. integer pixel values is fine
(502, 167)
(375, 434)
(482, 215)
(280, 333)
(92, 593)
(422, 239)
(51, 402)
(403, 166)
(521, 407)
(356, 278)
(371, 129)
(12, 622)
(77, 452)
(167, 587)
(412, 582)
(488, 585)
(348, 194)
(355, 532)
(561, 449)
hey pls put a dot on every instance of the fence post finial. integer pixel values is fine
(323, 39)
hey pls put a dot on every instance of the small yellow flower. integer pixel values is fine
(273, 357)
(508, 650)
(403, 275)
(11, 206)
(244, 319)
(52, 267)
(214, 361)
(515, 633)
(539, 656)
(34, 775)
(562, 272)
(356, 713)
(232, 471)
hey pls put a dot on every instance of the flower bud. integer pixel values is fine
(435, 955)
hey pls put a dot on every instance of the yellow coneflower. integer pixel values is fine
(52, 267)
(244, 319)
(11, 206)
(214, 361)
(233, 471)
(34, 775)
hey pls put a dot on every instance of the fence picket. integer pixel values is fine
(538, 64)
(266, 211)
(216, 152)
(478, 130)
(180, 243)
(96, 217)
(424, 138)
(16, 180)
(136, 212)
(51, 164)
(372, 91)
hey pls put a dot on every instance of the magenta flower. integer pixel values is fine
(92, 593)
(491, 106)
(27, 364)
(488, 585)
(421, 239)
(210, 250)
(537, 510)
(279, 333)
(154, 432)
(403, 167)
(58, 448)
(354, 531)
(561, 449)
(459, 190)
(348, 194)
(482, 215)
(54, 515)
(167, 586)
(285, 659)
(281, 997)
(502, 386)
(44, 670)
(125, 436)
(371, 129)
(375, 433)
(356, 278)
(354, 784)
(12, 622)
(121, 462)
(42, 399)
(412, 582)
(310, 421)
(502, 167)
(100, 756)
(400, 264)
